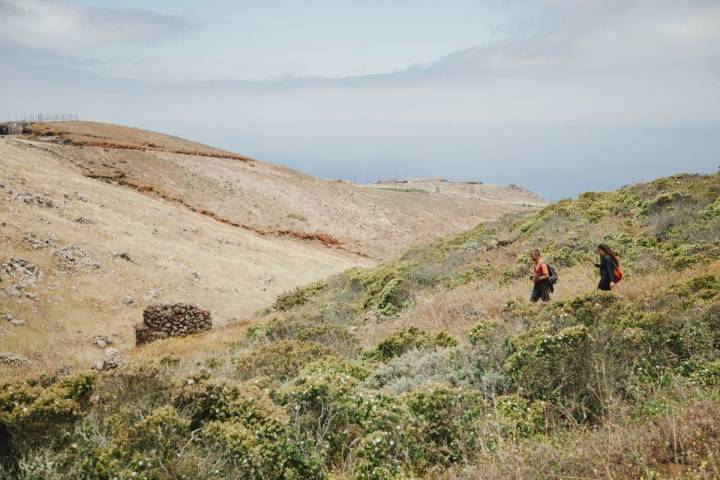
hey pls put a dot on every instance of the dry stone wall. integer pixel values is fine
(171, 320)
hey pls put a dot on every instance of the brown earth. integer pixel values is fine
(117, 227)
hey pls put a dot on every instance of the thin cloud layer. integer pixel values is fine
(59, 26)
(573, 90)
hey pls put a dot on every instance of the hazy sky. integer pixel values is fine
(561, 96)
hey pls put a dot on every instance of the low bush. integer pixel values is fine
(404, 340)
(299, 296)
(280, 360)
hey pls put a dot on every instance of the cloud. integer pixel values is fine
(582, 87)
(61, 27)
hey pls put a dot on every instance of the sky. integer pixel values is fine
(559, 96)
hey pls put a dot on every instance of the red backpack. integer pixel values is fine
(617, 274)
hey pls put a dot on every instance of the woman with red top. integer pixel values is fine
(541, 278)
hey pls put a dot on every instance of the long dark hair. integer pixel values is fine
(609, 251)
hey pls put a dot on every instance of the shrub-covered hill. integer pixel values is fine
(433, 365)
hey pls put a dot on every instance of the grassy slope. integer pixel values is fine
(430, 361)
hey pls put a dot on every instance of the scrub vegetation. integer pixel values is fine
(430, 365)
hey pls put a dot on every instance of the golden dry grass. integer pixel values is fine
(265, 197)
(183, 256)
(456, 311)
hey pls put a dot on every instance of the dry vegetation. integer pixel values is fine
(116, 227)
(269, 198)
(172, 255)
(432, 364)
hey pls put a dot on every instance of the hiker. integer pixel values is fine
(610, 273)
(541, 278)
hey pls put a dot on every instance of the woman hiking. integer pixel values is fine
(541, 278)
(609, 268)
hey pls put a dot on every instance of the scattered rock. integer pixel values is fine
(123, 256)
(31, 296)
(111, 361)
(72, 257)
(84, 221)
(171, 320)
(23, 271)
(37, 243)
(37, 200)
(15, 322)
(101, 341)
(12, 291)
(13, 360)
(80, 196)
(152, 294)
(128, 300)
(111, 352)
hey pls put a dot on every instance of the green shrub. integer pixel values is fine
(280, 360)
(446, 424)
(520, 417)
(264, 451)
(146, 448)
(705, 374)
(208, 401)
(398, 343)
(384, 288)
(299, 296)
(481, 333)
(33, 415)
(418, 368)
(558, 368)
(318, 401)
(315, 329)
(443, 340)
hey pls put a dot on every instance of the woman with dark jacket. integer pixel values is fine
(608, 262)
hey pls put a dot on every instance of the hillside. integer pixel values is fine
(271, 199)
(433, 364)
(98, 221)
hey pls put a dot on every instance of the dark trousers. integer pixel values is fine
(541, 291)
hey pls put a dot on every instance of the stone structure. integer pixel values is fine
(171, 320)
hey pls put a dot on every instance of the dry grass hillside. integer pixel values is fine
(105, 252)
(111, 219)
(277, 200)
(433, 364)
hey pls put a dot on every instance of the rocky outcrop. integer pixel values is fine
(171, 320)
(23, 273)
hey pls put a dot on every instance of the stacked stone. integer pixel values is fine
(171, 320)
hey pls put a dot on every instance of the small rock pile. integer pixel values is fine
(24, 273)
(171, 320)
(37, 200)
(13, 360)
(111, 360)
(72, 257)
(37, 243)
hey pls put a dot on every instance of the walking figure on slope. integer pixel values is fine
(610, 273)
(541, 277)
